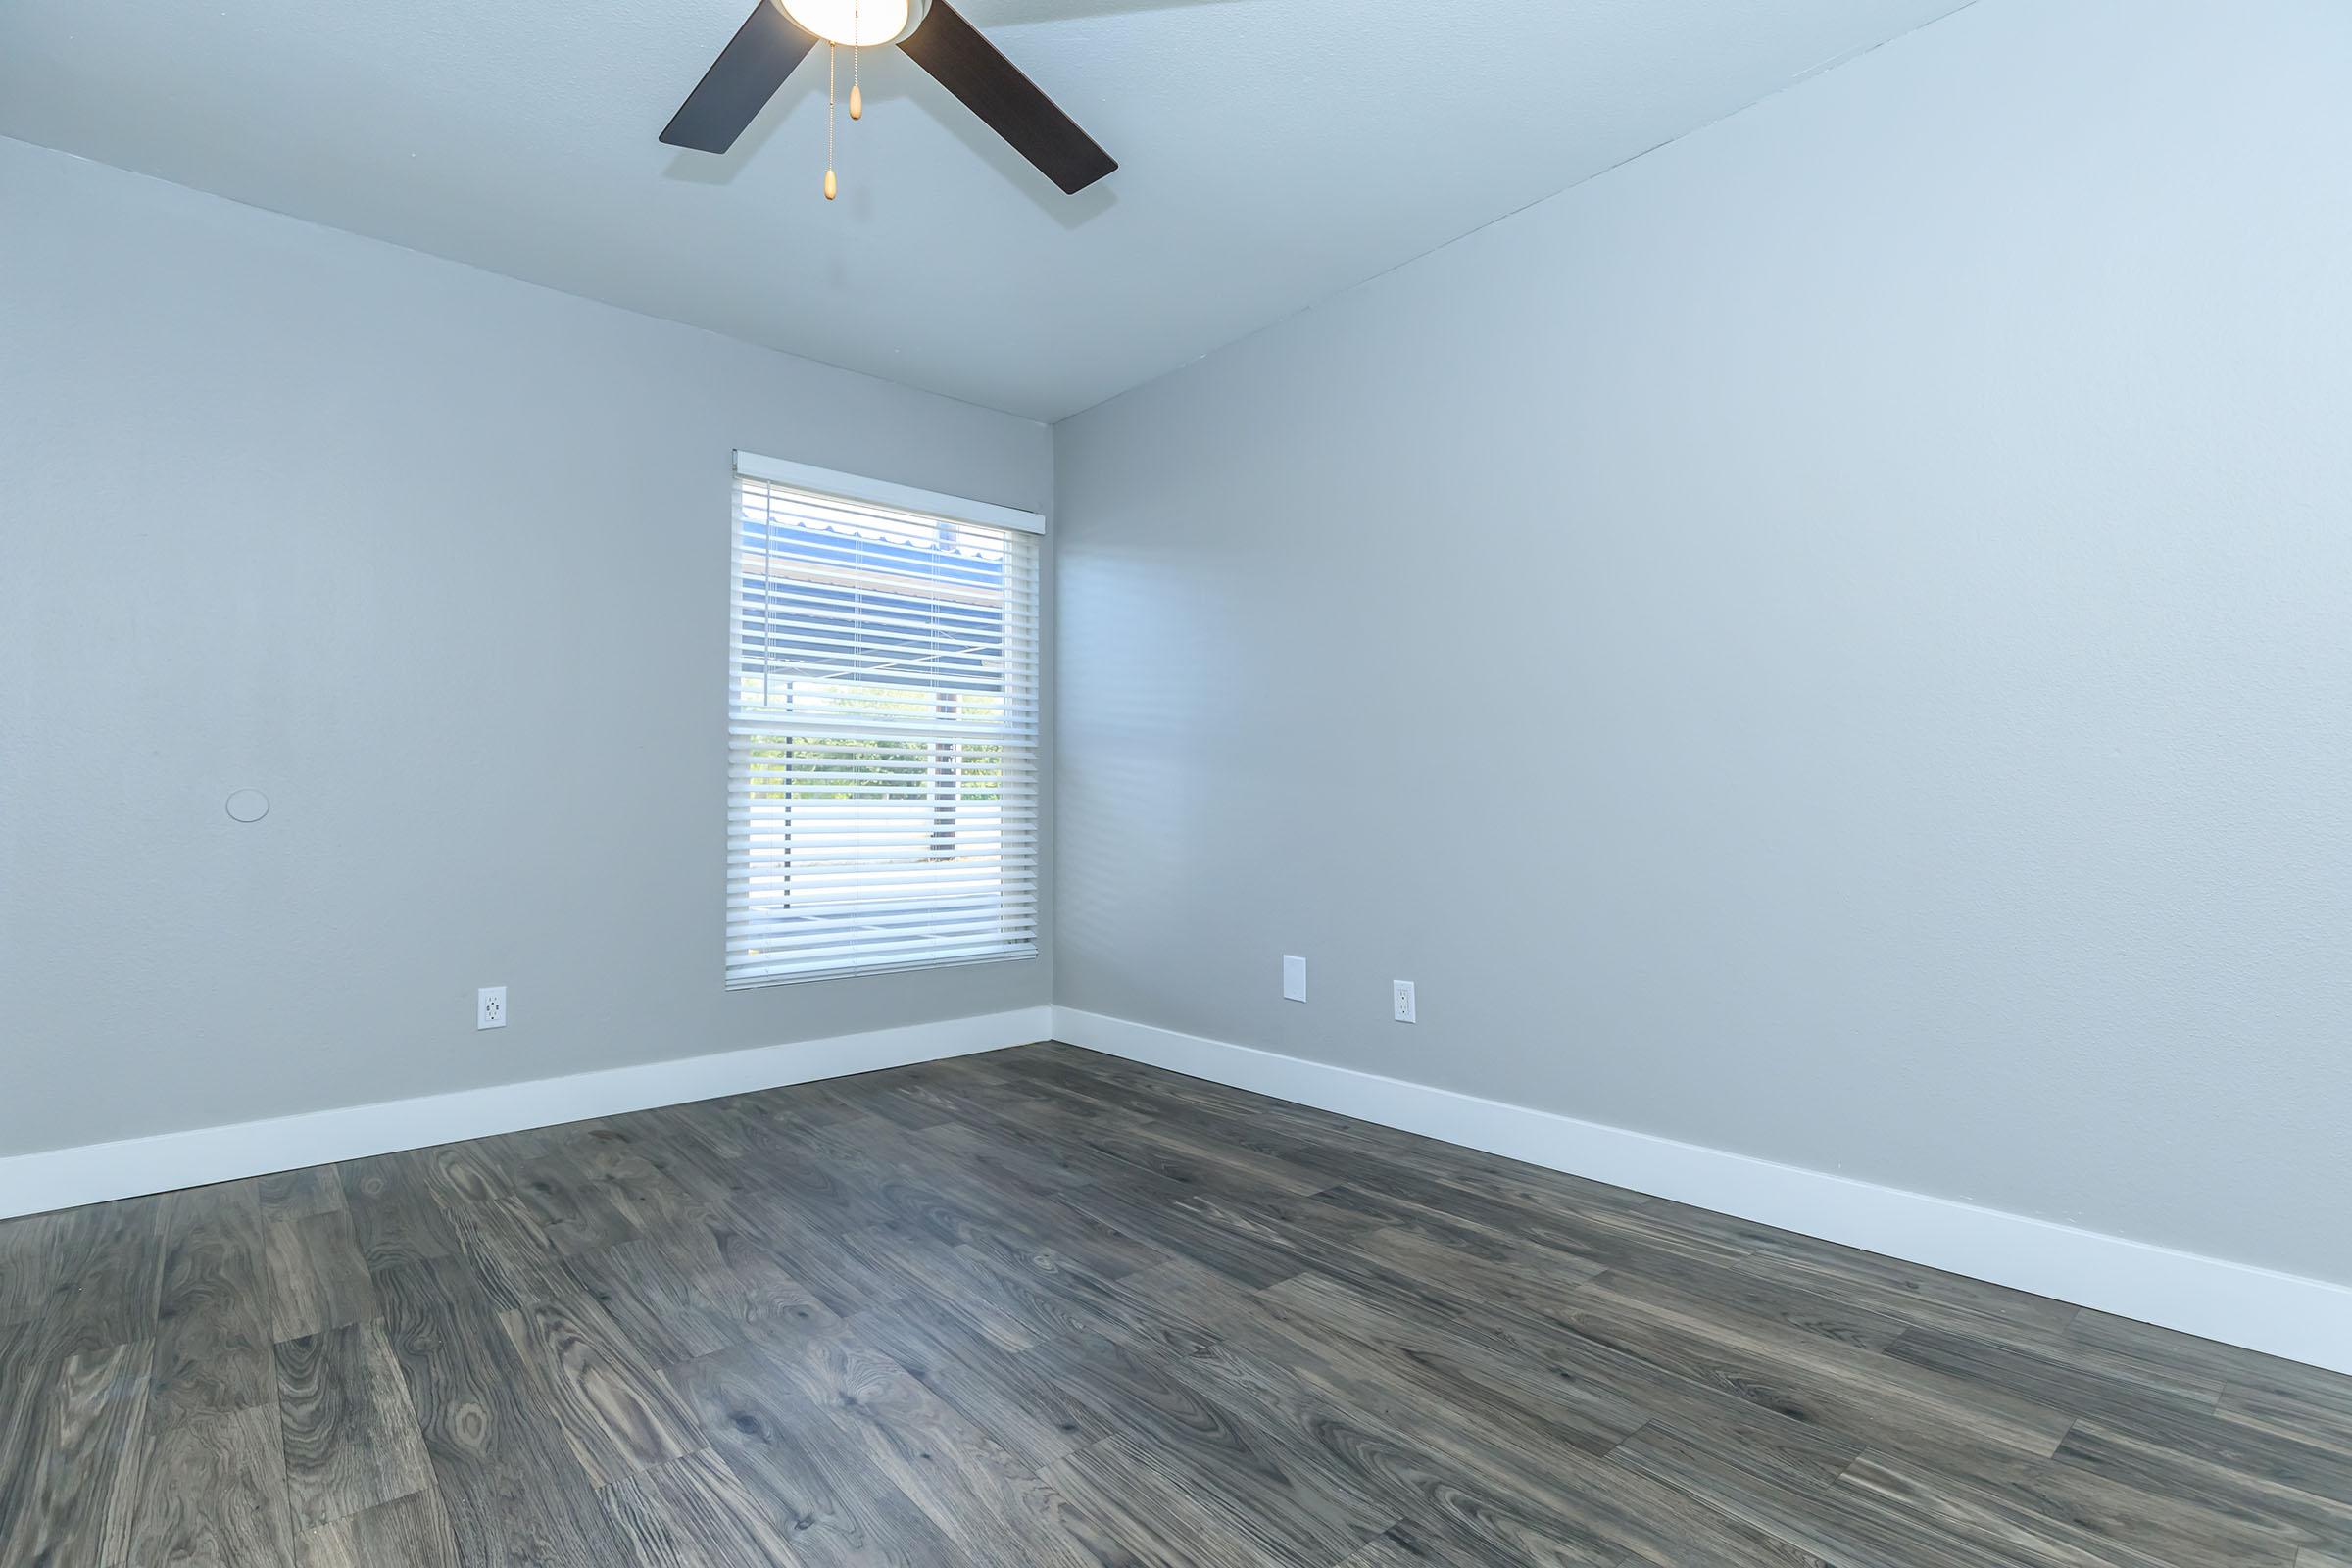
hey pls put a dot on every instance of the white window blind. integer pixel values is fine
(882, 795)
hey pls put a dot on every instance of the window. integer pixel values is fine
(882, 794)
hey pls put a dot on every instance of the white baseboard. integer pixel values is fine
(61, 1178)
(2282, 1314)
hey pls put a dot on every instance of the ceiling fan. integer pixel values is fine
(779, 34)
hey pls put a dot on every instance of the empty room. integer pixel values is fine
(1176, 784)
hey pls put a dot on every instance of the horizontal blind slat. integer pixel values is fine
(750, 973)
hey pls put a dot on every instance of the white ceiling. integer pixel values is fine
(1273, 152)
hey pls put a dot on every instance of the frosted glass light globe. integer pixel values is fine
(858, 23)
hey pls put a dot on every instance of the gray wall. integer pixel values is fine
(1831, 640)
(440, 561)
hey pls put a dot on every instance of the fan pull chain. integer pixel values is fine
(832, 185)
(856, 31)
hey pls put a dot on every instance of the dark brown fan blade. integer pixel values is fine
(994, 88)
(739, 82)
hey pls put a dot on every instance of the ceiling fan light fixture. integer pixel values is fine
(856, 23)
(933, 34)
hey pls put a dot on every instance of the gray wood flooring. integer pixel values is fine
(1043, 1307)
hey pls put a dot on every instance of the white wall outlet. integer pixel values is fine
(1294, 978)
(1407, 1011)
(490, 1007)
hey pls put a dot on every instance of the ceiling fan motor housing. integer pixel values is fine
(856, 23)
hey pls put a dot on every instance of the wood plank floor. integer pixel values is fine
(1043, 1307)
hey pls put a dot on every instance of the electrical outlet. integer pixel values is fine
(1294, 978)
(1407, 1011)
(490, 1007)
